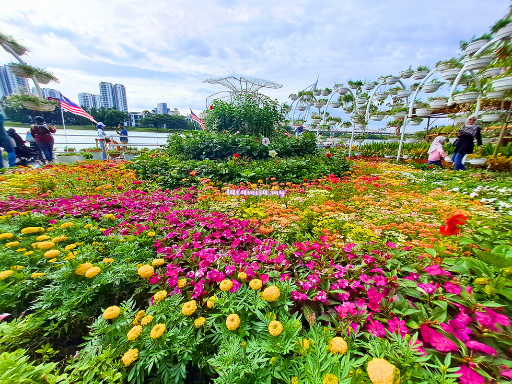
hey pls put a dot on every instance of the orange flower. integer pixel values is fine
(193, 173)
(451, 228)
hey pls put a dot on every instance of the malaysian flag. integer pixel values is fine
(197, 119)
(68, 105)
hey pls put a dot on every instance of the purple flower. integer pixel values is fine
(375, 299)
(475, 345)
(507, 373)
(498, 318)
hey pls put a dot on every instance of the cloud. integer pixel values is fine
(162, 51)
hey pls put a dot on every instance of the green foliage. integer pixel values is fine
(113, 117)
(15, 368)
(248, 115)
(171, 122)
(34, 71)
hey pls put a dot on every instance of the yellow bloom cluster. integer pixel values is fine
(46, 245)
(226, 285)
(146, 271)
(160, 295)
(43, 238)
(338, 345)
(157, 331)
(17, 267)
(69, 247)
(233, 321)
(31, 230)
(134, 333)
(304, 343)
(275, 328)
(199, 322)
(271, 293)
(111, 312)
(51, 254)
(5, 274)
(182, 283)
(5, 236)
(211, 302)
(21, 250)
(108, 260)
(59, 239)
(82, 268)
(130, 356)
(295, 380)
(255, 284)
(66, 225)
(242, 276)
(87, 226)
(28, 253)
(146, 320)
(91, 272)
(12, 244)
(382, 372)
(138, 317)
(36, 275)
(110, 216)
(70, 256)
(158, 262)
(189, 308)
(330, 379)
(151, 234)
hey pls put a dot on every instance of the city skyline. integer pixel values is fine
(9, 83)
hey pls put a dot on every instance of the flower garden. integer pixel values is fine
(366, 271)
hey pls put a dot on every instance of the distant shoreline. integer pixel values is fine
(10, 124)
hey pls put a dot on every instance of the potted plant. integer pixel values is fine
(479, 62)
(341, 89)
(362, 98)
(381, 96)
(32, 102)
(301, 107)
(130, 154)
(396, 124)
(398, 112)
(404, 93)
(448, 64)
(355, 84)
(377, 116)
(84, 155)
(491, 72)
(9, 41)
(473, 45)
(114, 154)
(347, 124)
(67, 157)
(421, 72)
(370, 85)
(326, 91)
(433, 86)
(502, 28)
(293, 96)
(332, 120)
(394, 90)
(407, 73)
(28, 71)
(317, 92)
(490, 93)
(316, 118)
(422, 111)
(335, 104)
(502, 82)
(415, 86)
(438, 102)
(476, 158)
(359, 139)
(492, 115)
(69, 149)
(469, 95)
(390, 80)
(96, 152)
(306, 95)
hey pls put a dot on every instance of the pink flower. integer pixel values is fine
(470, 376)
(322, 297)
(497, 318)
(264, 278)
(427, 288)
(297, 296)
(397, 325)
(418, 346)
(236, 286)
(475, 345)
(437, 339)
(4, 315)
(390, 244)
(435, 270)
(375, 299)
(376, 328)
(507, 373)
(412, 276)
(457, 328)
(452, 288)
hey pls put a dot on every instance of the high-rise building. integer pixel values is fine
(175, 112)
(161, 109)
(9, 83)
(113, 96)
(47, 92)
(88, 100)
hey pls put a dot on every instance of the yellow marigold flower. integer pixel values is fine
(138, 316)
(304, 343)
(160, 295)
(59, 239)
(382, 372)
(157, 262)
(46, 245)
(242, 276)
(87, 226)
(295, 380)
(275, 328)
(130, 356)
(146, 271)
(226, 285)
(66, 225)
(21, 250)
(233, 321)
(12, 244)
(5, 236)
(52, 260)
(30, 230)
(91, 272)
(51, 254)
(189, 308)
(70, 256)
(108, 260)
(17, 267)
(110, 216)
(199, 322)
(255, 284)
(271, 293)
(43, 238)
(157, 331)
(330, 379)
(5, 274)
(69, 247)
(82, 268)
(182, 283)
(111, 312)
(134, 333)
(151, 234)
(146, 320)
(338, 345)
(11, 212)
(28, 253)
(36, 275)
(211, 302)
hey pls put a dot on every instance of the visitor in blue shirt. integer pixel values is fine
(123, 135)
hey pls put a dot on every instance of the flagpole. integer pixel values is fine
(63, 124)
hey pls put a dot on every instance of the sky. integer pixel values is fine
(163, 50)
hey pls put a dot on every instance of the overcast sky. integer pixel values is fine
(163, 50)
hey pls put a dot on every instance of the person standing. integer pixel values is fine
(42, 133)
(465, 142)
(102, 139)
(6, 144)
(436, 151)
(123, 136)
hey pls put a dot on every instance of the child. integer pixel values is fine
(436, 152)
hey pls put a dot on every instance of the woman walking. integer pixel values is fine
(465, 142)
(42, 133)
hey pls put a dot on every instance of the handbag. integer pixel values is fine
(455, 142)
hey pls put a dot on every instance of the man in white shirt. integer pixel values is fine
(102, 137)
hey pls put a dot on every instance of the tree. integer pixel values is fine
(164, 121)
(249, 115)
(113, 118)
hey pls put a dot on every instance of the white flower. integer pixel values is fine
(456, 189)
(473, 194)
(265, 141)
(272, 153)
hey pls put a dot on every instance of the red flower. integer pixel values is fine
(193, 173)
(451, 228)
(236, 155)
(328, 155)
(211, 106)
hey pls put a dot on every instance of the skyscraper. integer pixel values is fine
(113, 96)
(89, 100)
(9, 83)
(161, 109)
(47, 92)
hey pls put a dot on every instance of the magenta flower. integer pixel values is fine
(297, 296)
(427, 288)
(470, 376)
(507, 373)
(375, 299)
(390, 244)
(498, 318)
(457, 328)
(475, 345)
(397, 325)
(264, 278)
(452, 288)
(322, 297)
(376, 328)
(437, 339)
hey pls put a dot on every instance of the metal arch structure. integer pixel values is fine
(238, 85)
